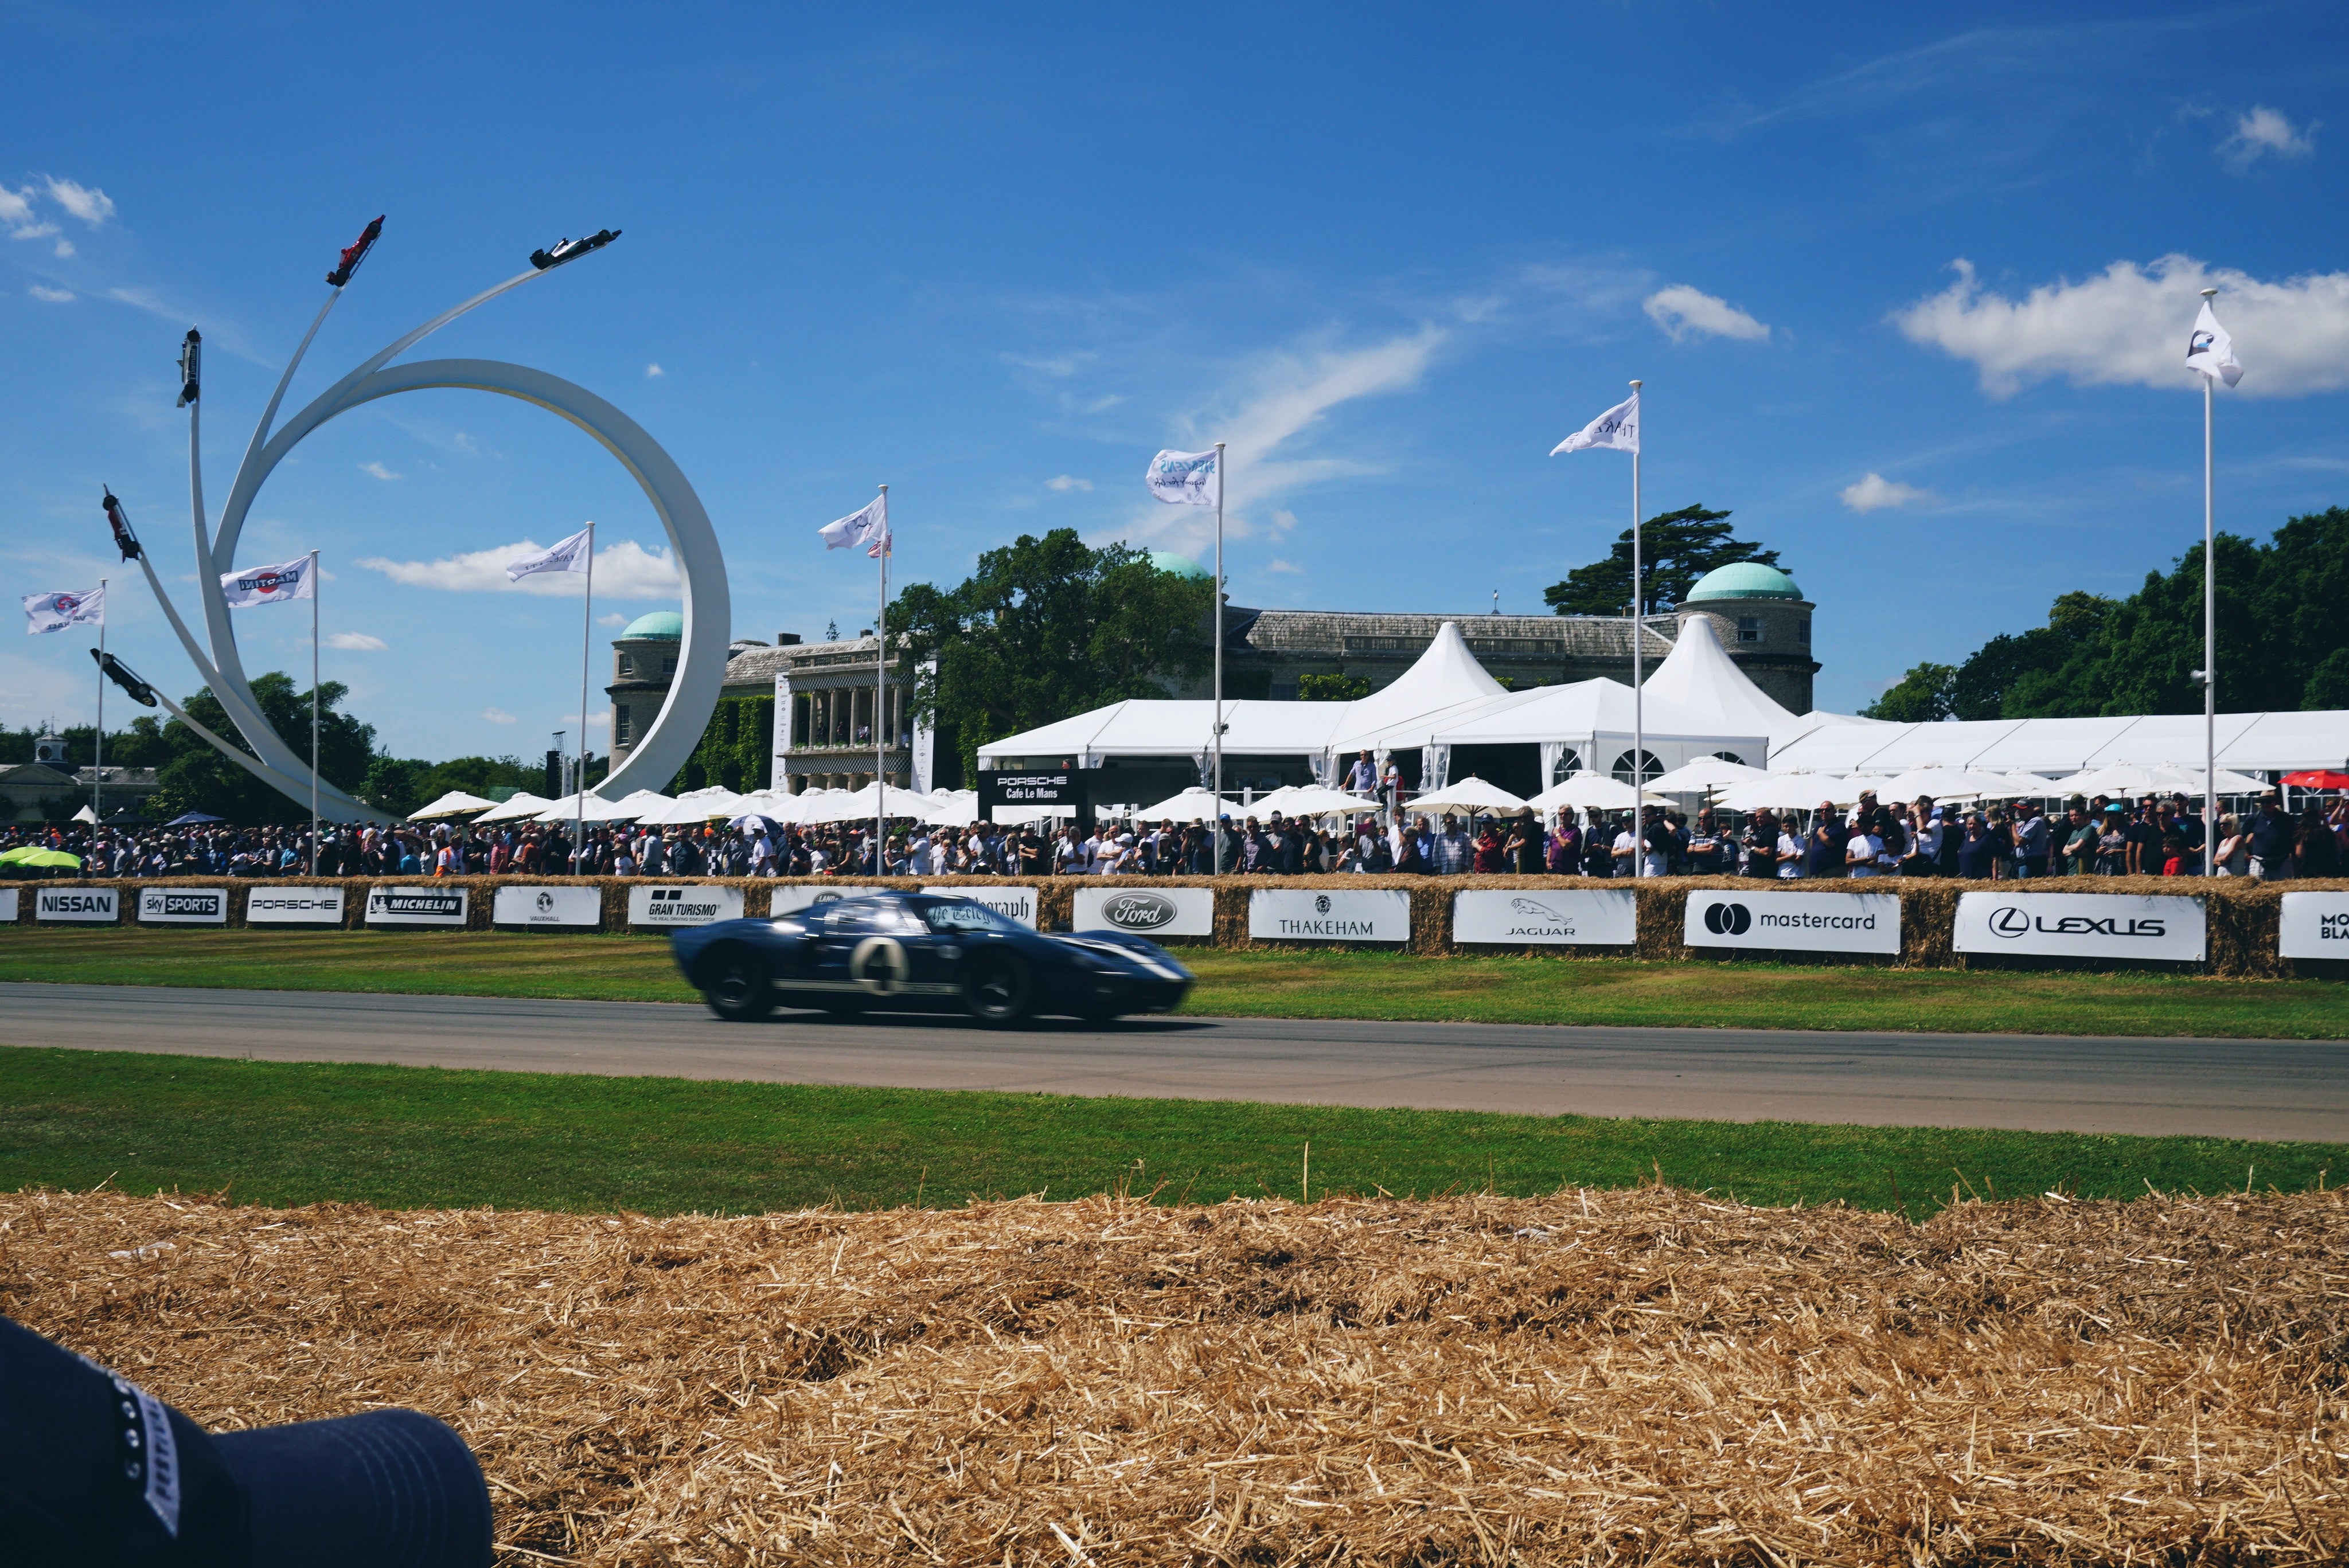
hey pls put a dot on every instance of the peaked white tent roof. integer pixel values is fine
(2060, 746)
(1149, 728)
(1446, 678)
(1699, 677)
(1585, 709)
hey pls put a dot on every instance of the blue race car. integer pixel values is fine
(928, 952)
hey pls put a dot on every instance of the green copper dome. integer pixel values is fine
(666, 627)
(1744, 580)
(1180, 565)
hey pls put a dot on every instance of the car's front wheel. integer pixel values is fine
(735, 984)
(999, 991)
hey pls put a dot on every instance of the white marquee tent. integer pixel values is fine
(2058, 748)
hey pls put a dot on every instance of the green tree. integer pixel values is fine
(2328, 684)
(1923, 696)
(195, 777)
(1339, 687)
(736, 748)
(1045, 628)
(1676, 549)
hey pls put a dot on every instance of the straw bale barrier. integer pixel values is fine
(2241, 914)
(1643, 1376)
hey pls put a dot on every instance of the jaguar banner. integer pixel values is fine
(1543, 917)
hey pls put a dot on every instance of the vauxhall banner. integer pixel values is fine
(416, 906)
(77, 903)
(684, 904)
(184, 907)
(1012, 903)
(1373, 914)
(571, 908)
(2082, 925)
(2315, 925)
(1151, 911)
(1547, 917)
(294, 906)
(1805, 922)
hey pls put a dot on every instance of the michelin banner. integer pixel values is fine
(416, 906)
(294, 906)
(570, 908)
(1373, 914)
(1801, 922)
(684, 904)
(1547, 917)
(184, 907)
(77, 903)
(2315, 925)
(1151, 911)
(2082, 925)
(1011, 903)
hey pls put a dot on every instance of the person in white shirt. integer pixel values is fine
(1790, 851)
(1363, 777)
(1862, 852)
(1627, 850)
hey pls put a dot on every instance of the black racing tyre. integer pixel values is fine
(734, 982)
(999, 991)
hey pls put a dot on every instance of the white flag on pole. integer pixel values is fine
(269, 584)
(56, 612)
(1186, 478)
(2210, 350)
(567, 556)
(1618, 430)
(868, 526)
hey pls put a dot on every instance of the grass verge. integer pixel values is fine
(1285, 984)
(293, 1133)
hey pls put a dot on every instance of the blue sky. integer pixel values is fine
(1908, 296)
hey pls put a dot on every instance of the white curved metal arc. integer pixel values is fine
(268, 417)
(335, 806)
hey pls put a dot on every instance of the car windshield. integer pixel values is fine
(963, 916)
(846, 919)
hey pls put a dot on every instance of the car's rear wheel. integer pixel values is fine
(999, 991)
(735, 984)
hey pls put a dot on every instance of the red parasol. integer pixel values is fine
(2318, 778)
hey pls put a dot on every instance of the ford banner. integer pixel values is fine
(2082, 925)
(1151, 911)
(1802, 922)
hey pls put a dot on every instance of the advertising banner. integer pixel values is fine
(1805, 922)
(8, 910)
(1151, 911)
(294, 906)
(2315, 925)
(1012, 903)
(2081, 925)
(416, 906)
(1373, 914)
(684, 904)
(571, 908)
(90, 903)
(798, 895)
(1547, 917)
(184, 907)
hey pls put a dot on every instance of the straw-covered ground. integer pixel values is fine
(1646, 1376)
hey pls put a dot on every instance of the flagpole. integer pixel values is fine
(2209, 646)
(586, 633)
(97, 746)
(1639, 698)
(881, 700)
(314, 713)
(1216, 625)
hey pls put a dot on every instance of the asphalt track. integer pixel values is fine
(2293, 1089)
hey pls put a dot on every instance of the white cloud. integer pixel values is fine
(357, 643)
(614, 619)
(1287, 567)
(1684, 312)
(2265, 131)
(623, 571)
(2127, 325)
(500, 716)
(654, 372)
(64, 248)
(1876, 492)
(17, 215)
(1055, 366)
(89, 204)
(376, 469)
(1064, 483)
(54, 296)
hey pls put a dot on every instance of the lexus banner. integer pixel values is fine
(2082, 925)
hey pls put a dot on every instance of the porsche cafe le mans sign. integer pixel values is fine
(2082, 925)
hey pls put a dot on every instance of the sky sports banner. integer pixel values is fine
(77, 903)
(1547, 917)
(416, 906)
(800, 895)
(1151, 911)
(1802, 922)
(2315, 925)
(570, 908)
(294, 906)
(687, 905)
(184, 907)
(1373, 914)
(2082, 925)
(1011, 903)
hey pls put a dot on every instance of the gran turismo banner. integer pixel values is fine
(1372, 915)
(2082, 925)
(1012, 903)
(1804, 922)
(800, 895)
(1151, 911)
(92, 905)
(686, 903)
(2315, 925)
(416, 906)
(184, 907)
(570, 908)
(1547, 917)
(294, 906)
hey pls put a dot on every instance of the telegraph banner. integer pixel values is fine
(571, 908)
(1547, 917)
(2082, 925)
(1151, 911)
(294, 906)
(1012, 903)
(684, 904)
(416, 906)
(1373, 914)
(2315, 925)
(1802, 922)
(801, 895)
(184, 907)
(80, 903)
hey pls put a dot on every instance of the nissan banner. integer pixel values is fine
(184, 907)
(691, 903)
(1800, 921)
(2082, 925)
(571, 908)
(1547, 916)
(2315, 925)
(1373, 914)
(1011, 903)
(84, 903)
(1147, 910)
(416, 906)
(294, 906)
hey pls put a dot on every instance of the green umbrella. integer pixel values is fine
(10, 857)
(43, 858)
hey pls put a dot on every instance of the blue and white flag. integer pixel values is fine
(1187, 478)
(2210, 350)
(571, 554)
(56, 612)
(1618, 430)
(269, 584)
(869, 527)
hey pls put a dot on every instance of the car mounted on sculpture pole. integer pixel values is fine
(928, 952)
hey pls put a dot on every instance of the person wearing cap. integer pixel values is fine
(2112, 842)
(97, 1472)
